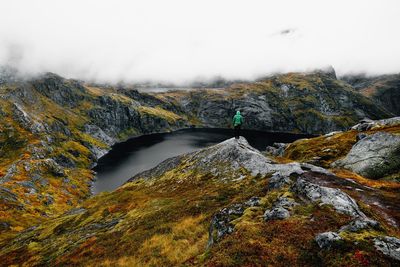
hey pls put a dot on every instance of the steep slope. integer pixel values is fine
(226, 205)
(52, 131)
(383, 90)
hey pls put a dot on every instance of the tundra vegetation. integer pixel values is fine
(226, 205)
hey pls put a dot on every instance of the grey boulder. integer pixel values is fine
(389, 246)
(359, 224)
(280, 209)
(341, 202)
(277, 149)
(374, 156)
(276, 214)
(327, 240)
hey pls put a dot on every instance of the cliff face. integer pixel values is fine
(307, 103)
(383, 90)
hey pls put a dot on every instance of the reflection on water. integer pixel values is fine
(142, 153)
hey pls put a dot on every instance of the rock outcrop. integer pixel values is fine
(293, 102)
(342, 202)
(277, 149)
(374, 156)
(383, 90)
(327, 240)
(221, 223)
(389, 246)
(280, 209)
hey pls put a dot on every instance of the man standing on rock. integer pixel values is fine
(237, 123)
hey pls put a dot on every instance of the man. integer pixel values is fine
(237, 122)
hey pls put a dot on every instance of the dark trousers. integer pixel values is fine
(237, 131)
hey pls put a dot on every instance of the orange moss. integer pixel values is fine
(379, 184)
(282, 160)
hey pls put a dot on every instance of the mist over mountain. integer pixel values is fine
(181, 42)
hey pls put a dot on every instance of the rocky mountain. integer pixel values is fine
(383, 90)
(295, 102)
(229, 205)
(53, 130)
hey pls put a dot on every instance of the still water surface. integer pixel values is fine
(142, 153)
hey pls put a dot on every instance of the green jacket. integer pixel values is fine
(237, 119)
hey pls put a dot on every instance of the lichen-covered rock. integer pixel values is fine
(98, 133)
(278, 181)
(364, 125)
(76, 211)
(53, 167)
(27, 121)
(228, 159)
(252, 202)
(374, 156)
(12, 170)
(277, 149)
(278, 213)
(235, 152)
(367, 124)
(7, 195)
(327, 240)
(389, 246)
(221, 222)
(359, 224)
(61, 91)
(342, 202)
(280, 209)
(313, 168)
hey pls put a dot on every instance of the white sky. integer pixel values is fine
(177, 41)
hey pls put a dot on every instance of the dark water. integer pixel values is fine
(142, 153)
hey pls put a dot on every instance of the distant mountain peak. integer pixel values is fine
(328, 71)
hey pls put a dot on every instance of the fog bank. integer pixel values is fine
(178, 41)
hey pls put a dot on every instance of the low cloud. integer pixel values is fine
(180, 41)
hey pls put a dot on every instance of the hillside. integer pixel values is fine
(53, 130)
(383, 90)
(294, 102)
(225, 205)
